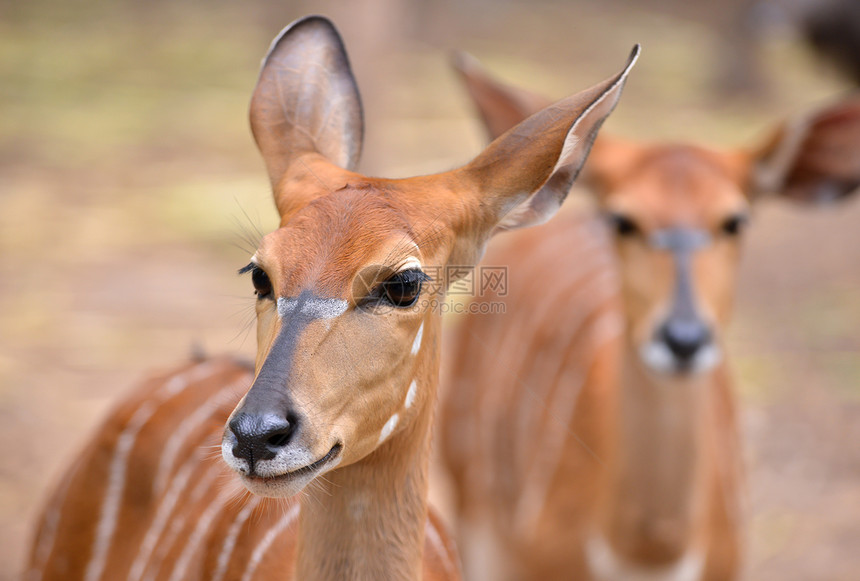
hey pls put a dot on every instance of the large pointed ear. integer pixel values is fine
(306, 100)
(812, 159)
(501, 106)
(525, 175)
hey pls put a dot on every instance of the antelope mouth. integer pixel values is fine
(298, 473)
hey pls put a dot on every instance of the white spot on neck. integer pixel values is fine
(388, 427)
(358, 506)
(410, 395)
(416, 344)
(312, 307)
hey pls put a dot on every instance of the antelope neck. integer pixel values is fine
(366, 521)
(657, 470)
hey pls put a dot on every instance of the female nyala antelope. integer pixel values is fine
(345, 379)
(591, 431)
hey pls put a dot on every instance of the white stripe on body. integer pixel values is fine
(183, 432)
(436, 540)
(109, 512)
(49, 530)
(115, 489)
(557, 393)
(267, 540)
(492, 414)
(589, 283)
(594, 290)
(163, 513)
(536, 487)
(232, 536)
(180, 568)
(177, 524)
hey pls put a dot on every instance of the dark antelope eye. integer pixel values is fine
(734, 224)
(262, 284)
(623, 225)
(402, 289)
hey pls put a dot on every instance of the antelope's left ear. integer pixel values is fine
(813, 159)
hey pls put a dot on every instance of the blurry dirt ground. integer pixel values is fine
(129, 186)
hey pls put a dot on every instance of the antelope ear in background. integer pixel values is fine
(525, 174)
(501, 106)
(813, 159)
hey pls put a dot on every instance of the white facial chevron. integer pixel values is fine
(312, 307)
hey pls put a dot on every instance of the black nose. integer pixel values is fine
(685, 337)
(260, 437)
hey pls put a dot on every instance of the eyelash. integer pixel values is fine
(403, 289)
(261, 281)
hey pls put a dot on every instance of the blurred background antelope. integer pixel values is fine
(124, 150)
(590, 428)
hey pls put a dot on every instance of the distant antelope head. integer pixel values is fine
(346, 355)
(677, 213)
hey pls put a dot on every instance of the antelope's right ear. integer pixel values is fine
(306, 102)
(812, 159)
(523, 176)
(501, 106)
